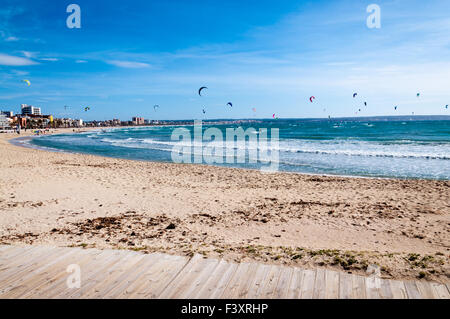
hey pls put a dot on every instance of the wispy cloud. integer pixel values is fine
(11, 39)
(14, 60)
(128, 64)
(80, 61)
(50, 59)
(28, 54)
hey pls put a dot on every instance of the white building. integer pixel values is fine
(8, 113)
(4, 122)
(30, 110)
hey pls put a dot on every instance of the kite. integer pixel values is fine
(201, 89)
(66, 107)
(354, 95)
(365, 103)
(418, 94)
(254, 109)
(27, 82)
(446, 106)
(204, 112)
(312, 98)
(156, 107)
(87, 108)
(230, 104)
(359, 110)
(273, 115)
(395, 107)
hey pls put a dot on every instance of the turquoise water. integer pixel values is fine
(382, 147)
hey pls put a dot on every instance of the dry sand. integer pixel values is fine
(242, 215)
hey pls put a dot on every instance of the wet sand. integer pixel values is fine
(310, 221)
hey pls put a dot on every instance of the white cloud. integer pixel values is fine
(14, 61)
(80, 61)
(21, 73)
(28, 54)
(128, 64)
(50, 59)
(11, 39)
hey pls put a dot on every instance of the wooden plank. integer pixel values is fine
(267, 291)
(412, 290)
(110, 279)
(28, 266)
(93, 272)
(102, 274)
(16, 251)
(27, 281)
(159, 277)
(332, 284)
(426, 290)
(320, 284)
(281, 291)
(206, 268)
(386, 290)
(294, 290)
(359, 287)
(345, 286)
(127, 278)
(40, 272)
(440, 290)
(153, 274)
(262, 272)
(54, 276)
(11, 267)
(244, 284)
(215, 285)
(398, 289)
(58, 284)
(233, 285)
(184, 278)
(373, 285)
(4, 248)
(87, 268)
(307, 291)
(18, 262)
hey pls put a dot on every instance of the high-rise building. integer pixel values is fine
(4, 121)
(7, 113)
(138, 120)
(30, 110)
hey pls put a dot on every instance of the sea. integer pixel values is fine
(413, 147)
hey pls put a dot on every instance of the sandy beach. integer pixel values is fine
(310, 221)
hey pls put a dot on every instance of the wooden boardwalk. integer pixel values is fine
(41, 272)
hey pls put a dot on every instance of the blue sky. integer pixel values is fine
(268, 55)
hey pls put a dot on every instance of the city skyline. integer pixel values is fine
(127, 57)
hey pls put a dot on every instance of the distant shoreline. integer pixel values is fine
(24, 141)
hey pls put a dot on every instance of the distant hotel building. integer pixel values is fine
(7, 113)
(4, 122)
(30, 110)
(138, 121)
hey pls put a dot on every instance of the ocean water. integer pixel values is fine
(373, 147)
